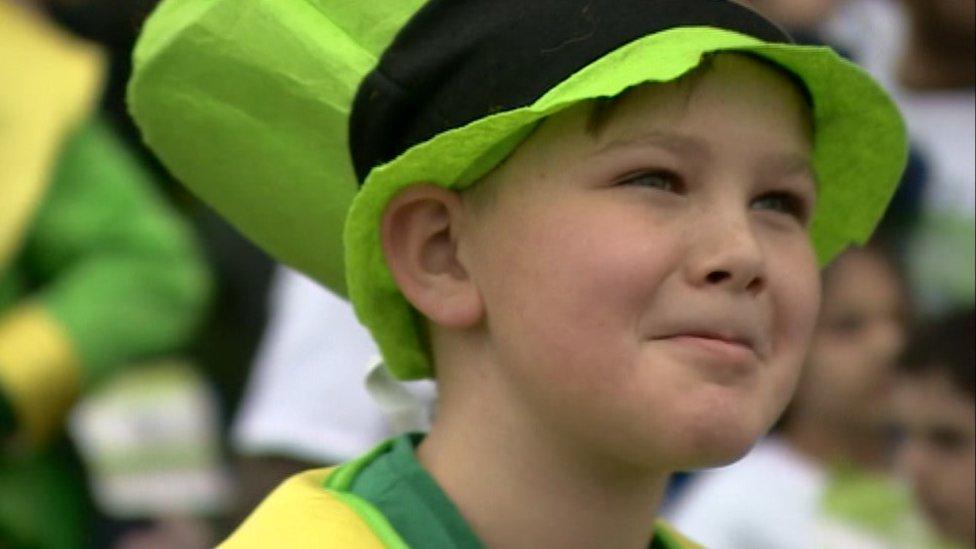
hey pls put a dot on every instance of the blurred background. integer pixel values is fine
(159, 374)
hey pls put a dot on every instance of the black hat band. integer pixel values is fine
(457, 61)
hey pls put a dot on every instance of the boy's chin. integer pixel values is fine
(720, 457)
(692, 451)
(717, 449)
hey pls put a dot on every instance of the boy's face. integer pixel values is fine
(938, 452)
(650, 289)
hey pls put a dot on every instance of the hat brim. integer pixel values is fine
(258, 130)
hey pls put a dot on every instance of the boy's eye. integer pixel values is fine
(785, 202)
(664, 180)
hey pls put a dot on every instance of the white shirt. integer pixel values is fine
(306, 396)
(766, 500)
(775, 498)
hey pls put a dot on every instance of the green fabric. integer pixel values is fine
(43, 501)
(342, 478)
(8, 422)
(246, 101)
(13, 284)
(110, 260)
(666, 537)
(872, 502)
(869, 500)
(392, 480)
(263, 108)
(405, 493)
(942, 260)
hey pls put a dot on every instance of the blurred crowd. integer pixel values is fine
(159, 374)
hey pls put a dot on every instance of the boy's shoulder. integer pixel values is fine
(304, 512)
(301, 512)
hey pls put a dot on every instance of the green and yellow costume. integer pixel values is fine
(95, 270)
(382, 499)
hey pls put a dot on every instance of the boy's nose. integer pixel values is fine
(726, 254)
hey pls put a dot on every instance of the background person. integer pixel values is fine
(935, 414)
(97, 273)
(224, 347)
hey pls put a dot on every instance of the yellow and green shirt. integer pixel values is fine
(384, 499)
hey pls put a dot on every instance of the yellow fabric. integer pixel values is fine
(39, 371)
(300, 514)
(48, 82)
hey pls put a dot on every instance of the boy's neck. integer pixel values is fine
(518, 487)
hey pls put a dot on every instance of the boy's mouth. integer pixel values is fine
(738, 345)
(719, 337)
(726, 347)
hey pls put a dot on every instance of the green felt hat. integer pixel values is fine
(248, 103)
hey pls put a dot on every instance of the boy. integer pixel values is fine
(608, 291)
(935, 410)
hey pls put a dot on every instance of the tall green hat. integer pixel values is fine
(274, 112)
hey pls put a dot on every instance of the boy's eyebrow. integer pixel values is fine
(785, 163)
(674, 142)
(789, 164)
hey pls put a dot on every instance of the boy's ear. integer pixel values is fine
(419, 237)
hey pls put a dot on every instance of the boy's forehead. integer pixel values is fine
(703, 92)
(651, 110)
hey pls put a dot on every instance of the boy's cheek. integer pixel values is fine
(572, 308)
(795, 295)
(796, 292)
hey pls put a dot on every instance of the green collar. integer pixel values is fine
(393, 481)
(417, 513)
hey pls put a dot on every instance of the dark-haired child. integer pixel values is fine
(935, 411)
